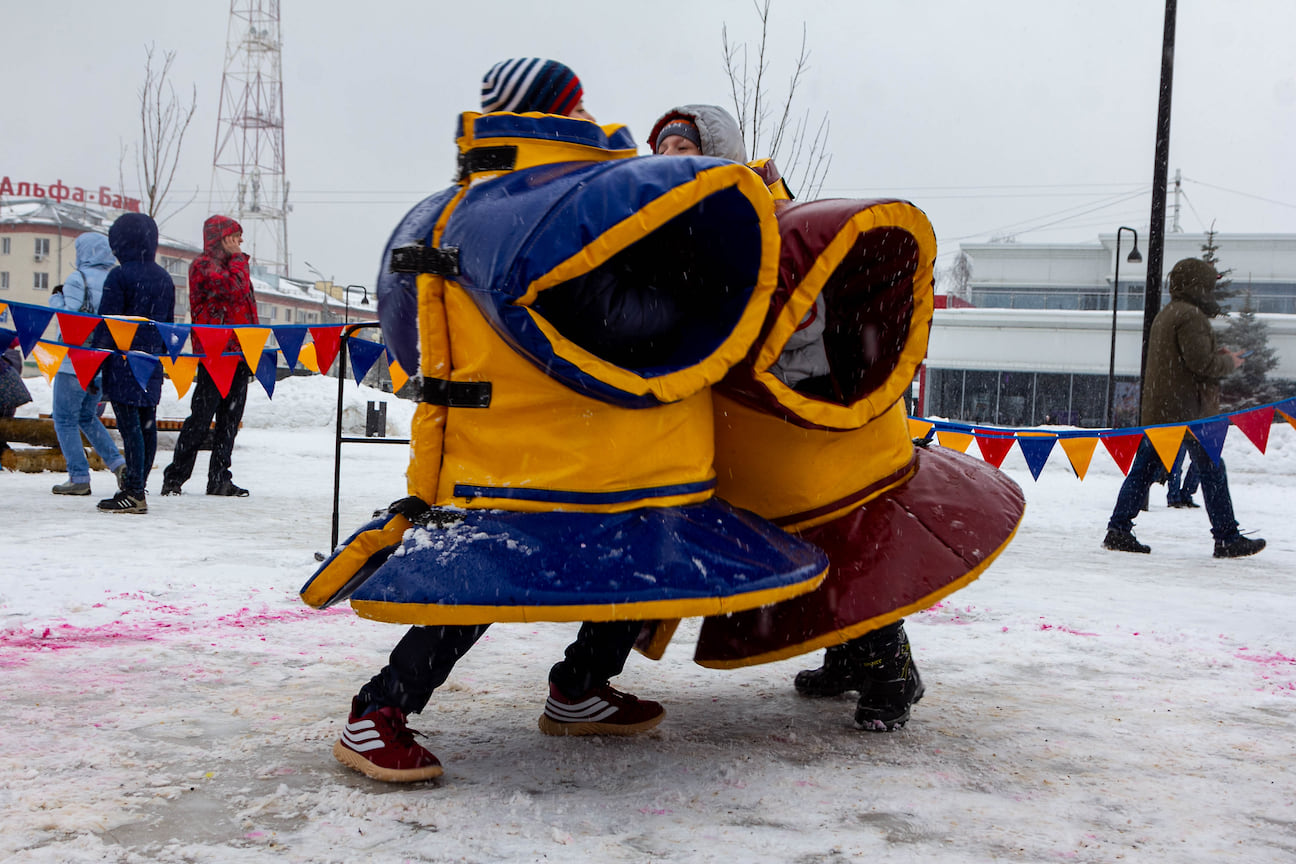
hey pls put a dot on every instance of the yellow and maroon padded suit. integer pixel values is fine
(832, 460)
(571, 307)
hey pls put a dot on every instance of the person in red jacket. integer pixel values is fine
(220, 292)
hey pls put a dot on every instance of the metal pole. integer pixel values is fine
(1111, 364)
(1156, 232)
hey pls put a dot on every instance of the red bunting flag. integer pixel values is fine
(212, 339)
(86, 363)
(1255, 425)
(221, 370)
(327, 341)
(994, 448)
(1122, 448)
(76, 329)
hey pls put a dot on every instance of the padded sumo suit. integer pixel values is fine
(569, 309)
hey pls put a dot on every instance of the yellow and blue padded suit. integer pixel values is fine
(582, 488)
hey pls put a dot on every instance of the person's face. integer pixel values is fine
(677, 145)
(580, 113)
(232, 244)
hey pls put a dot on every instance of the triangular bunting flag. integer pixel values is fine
(181, 371)
(123, 332)
(1035, 448)
(267, 372)
(76, 329)
(306, 357)
(399, 377)
(212, 340)
(252, 340)
(49, 357)
(142, 367)
(953, 440)
(363, 353)
(221, 370)
(327, 342)
(1289, 416)
(173, 336)
(993, 447)
(1166, 440)
(1211, 435)
(1122, 448)
(30, 322)
(86, 363)
(1255, 425)
(290, 341)
(1079, 452)
(3, 307)
(918, 429)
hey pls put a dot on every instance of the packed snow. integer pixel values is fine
(169, 698)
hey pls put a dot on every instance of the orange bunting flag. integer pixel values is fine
(993, 447)
(222, 371)
(953, 440)
(1122, 448)
(1079, 452)
(306, 357)
(1288, 417)
(123, 332)
(212, 340)
(48, 358)
(181, 371)
(252, 340)
(399, 377)
(76, 328)
(1167, 441)
(918, 429)
(1255, 425)
(86, 363)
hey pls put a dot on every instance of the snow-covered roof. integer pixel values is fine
(73, 217)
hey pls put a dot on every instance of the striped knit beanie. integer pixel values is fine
(531, 84)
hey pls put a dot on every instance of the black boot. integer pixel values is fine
(894, 684)
(843, 669)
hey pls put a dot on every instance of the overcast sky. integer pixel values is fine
(1034, 118)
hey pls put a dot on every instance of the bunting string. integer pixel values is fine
(207, 343)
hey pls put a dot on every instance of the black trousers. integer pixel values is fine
(207, 404)
(423, 658)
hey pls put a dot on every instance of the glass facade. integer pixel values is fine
(1021, 399)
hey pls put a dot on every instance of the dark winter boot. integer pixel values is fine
(1124, 541)
(843, 669)
(1238, 547)
(894, 684)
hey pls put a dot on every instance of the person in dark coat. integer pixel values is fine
(220, 292)
(1184, 369)
(138, 288)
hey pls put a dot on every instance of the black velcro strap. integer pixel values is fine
(486, 159)
(457, 394)
(411, 508)
(425, 259)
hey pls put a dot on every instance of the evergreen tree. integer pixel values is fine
(1249, 385)
(1223, 290)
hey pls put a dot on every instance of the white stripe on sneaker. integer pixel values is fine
(592, 709)
(361, 736)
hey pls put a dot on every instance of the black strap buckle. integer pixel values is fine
(456, 394)
(425, 259)
(501, 158)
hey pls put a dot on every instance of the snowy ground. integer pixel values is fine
(168, 698)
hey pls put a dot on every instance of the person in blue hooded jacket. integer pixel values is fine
(138, 287)
(76, 408)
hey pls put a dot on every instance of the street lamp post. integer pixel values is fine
(364, 301)
(324, 310)
(1134, 257)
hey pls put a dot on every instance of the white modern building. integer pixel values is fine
(1037, 345)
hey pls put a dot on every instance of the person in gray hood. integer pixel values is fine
(76, 409)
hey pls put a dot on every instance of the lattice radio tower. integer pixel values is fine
(248, 179)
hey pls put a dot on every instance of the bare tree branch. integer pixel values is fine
(807, 163)
(163, 123)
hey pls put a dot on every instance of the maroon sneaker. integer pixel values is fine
(381, 746)
(600, 711)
